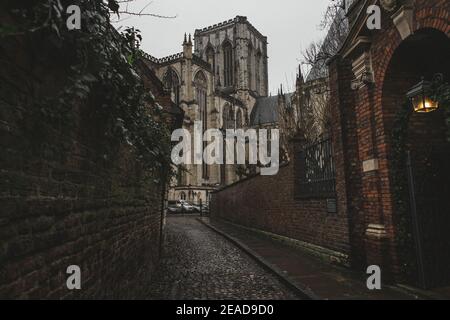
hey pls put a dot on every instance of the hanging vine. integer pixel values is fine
(442, 96)
(400, 190)
(101, 70)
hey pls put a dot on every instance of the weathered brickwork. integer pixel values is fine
(74, 213)
(396, 67)
(65, 201)
(268, 203)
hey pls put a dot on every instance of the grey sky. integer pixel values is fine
(290, 26)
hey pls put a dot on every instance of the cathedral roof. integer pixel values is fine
(265, 111)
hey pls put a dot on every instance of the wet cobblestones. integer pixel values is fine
(200, 264)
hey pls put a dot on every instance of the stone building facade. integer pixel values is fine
(217, 80)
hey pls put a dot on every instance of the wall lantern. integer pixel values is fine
(421, 95)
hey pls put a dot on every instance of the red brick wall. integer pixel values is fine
(62, 202)
(374, 109)
(267, 203)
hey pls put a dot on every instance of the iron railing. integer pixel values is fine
(316, 171)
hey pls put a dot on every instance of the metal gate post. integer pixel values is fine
(415, 222)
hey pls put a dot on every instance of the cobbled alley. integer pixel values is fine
(200, 264)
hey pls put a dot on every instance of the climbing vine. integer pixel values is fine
(442, 95)
(400, 189)
(102, 71)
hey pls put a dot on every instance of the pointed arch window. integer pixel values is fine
(211, 57)
(228, 117)
(250, 67)
(172, 83)
(258, 71)
(239, 119)
(201, 92)
(228, 64)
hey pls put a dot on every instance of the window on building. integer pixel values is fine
(228, 64)
(172, 83)
(228, 117)
(211, 57)
(201, 89)
(181, 175)
(250, 67)
(239, 119)
(258, 70)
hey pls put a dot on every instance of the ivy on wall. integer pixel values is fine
(442, 95)
(401, 192)
(100, 65)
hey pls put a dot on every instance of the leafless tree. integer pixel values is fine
(124, 11)
(336, 24)
(313, 100)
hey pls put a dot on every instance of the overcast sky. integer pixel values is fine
(290, 26)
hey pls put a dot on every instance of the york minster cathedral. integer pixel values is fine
(221, 79)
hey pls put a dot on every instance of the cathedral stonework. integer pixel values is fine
(218, 79)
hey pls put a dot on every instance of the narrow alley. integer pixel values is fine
(200, 264)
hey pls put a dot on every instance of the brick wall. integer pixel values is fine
(364, 119)
(268, 203)
(63, 199)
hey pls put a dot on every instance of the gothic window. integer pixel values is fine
(181, 175)
(250, 66)
(228, 64)
(258, 71)
(228, 117)
(210, 57)
(183, 196)
(201, 89)
(239, 119)
(172, 83)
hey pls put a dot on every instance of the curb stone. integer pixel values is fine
(302, 291)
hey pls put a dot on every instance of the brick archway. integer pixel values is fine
(421, 55)
(362, 126)
(428, 17)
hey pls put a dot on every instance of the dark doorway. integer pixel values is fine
(429, 177)
(427, 187)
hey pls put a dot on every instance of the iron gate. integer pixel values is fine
(316, 171)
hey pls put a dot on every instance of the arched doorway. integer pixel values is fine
(419, 160)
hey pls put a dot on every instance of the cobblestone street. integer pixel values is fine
(197, 263)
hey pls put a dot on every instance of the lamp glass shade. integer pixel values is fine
(420, 98)
(424, 104)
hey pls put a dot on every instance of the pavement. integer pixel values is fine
(199, 264)
(308, 275)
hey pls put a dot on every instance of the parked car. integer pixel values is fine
(173, 207)
(203, 208)
(181, 206)
(185, 206)
(197, 207)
